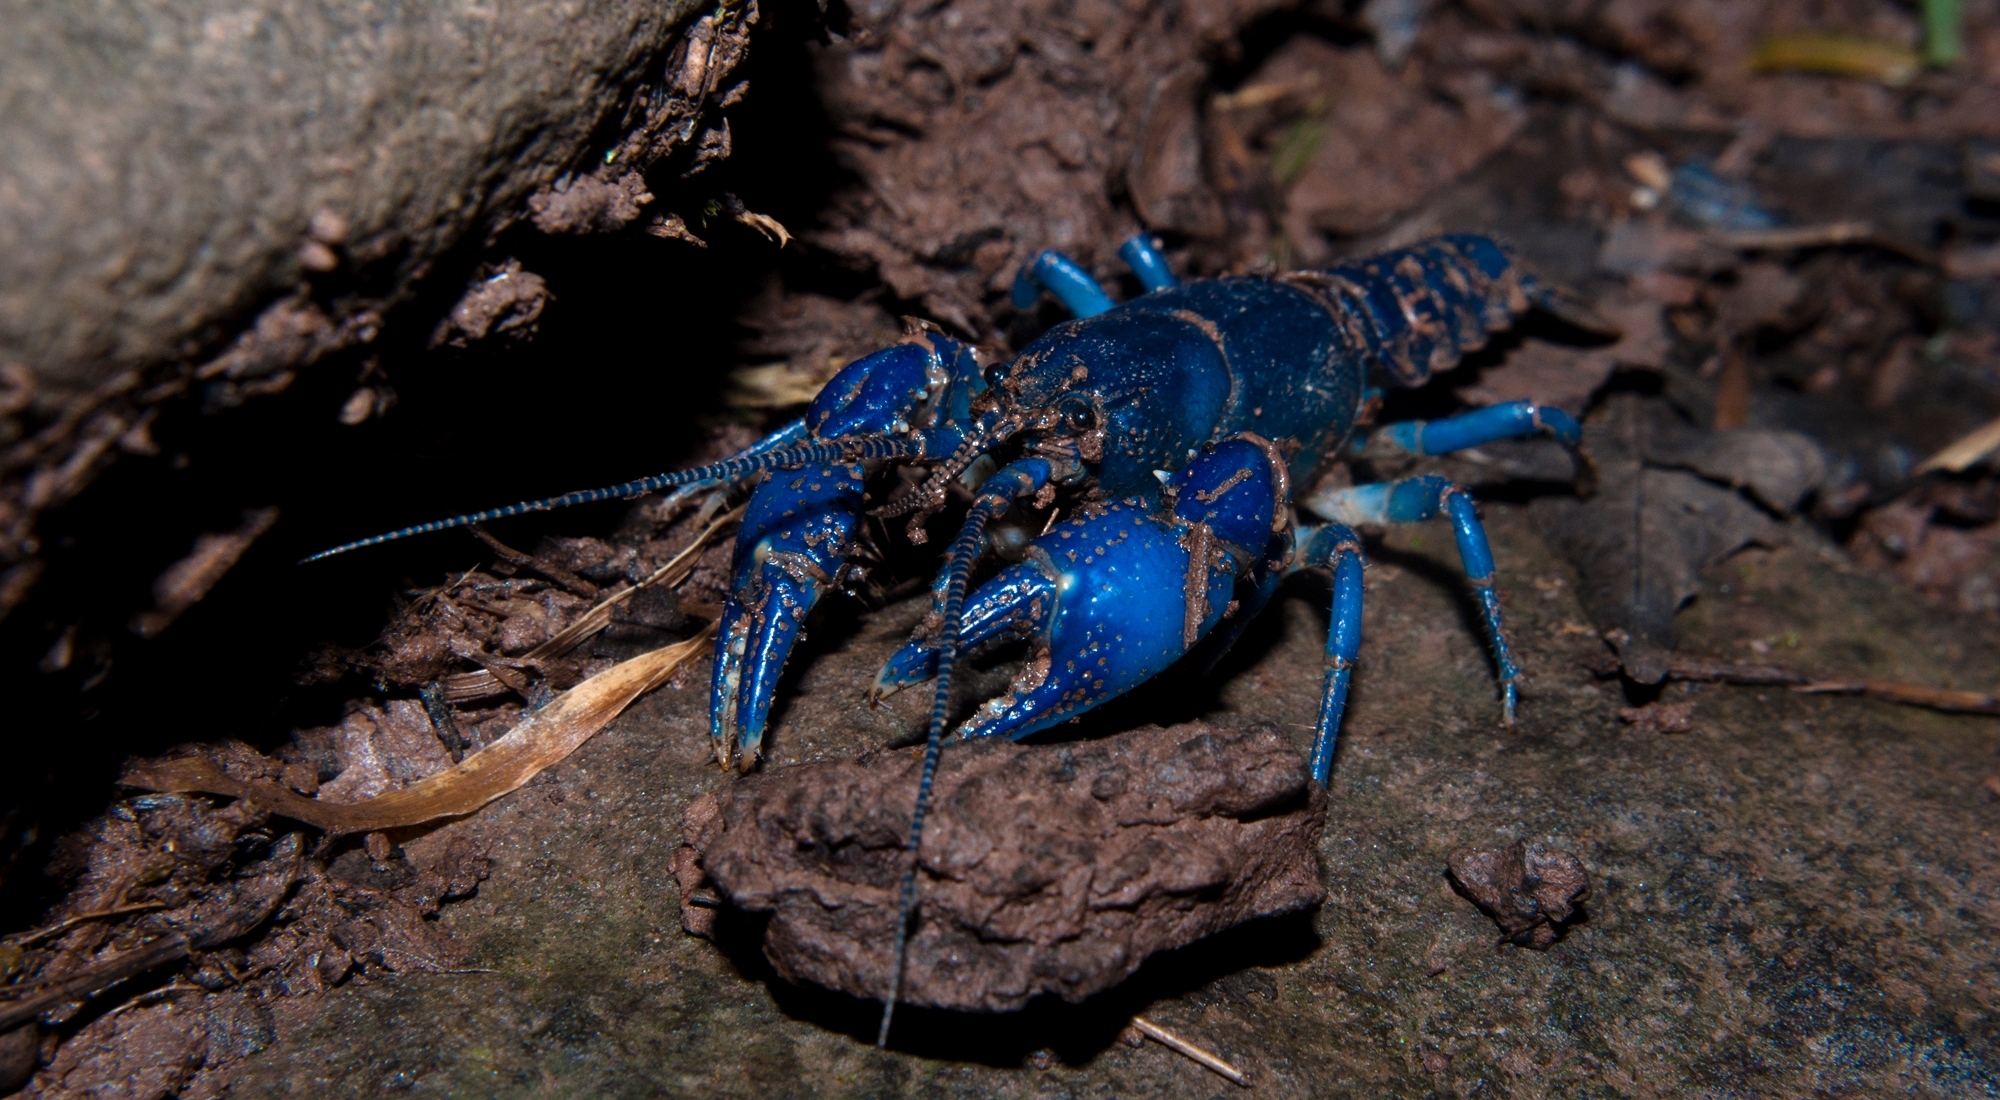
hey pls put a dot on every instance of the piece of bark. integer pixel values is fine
(1530, 891)
(1045, 869)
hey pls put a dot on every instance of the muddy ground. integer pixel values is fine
(1792, 894)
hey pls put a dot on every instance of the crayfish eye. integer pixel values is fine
(1076, 414)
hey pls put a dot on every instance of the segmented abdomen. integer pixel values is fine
(1417, 311)
(1286, 357)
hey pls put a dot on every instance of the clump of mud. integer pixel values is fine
(1044, 869)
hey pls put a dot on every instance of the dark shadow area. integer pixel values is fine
(1239, 59)
(1077, 1033)
(622, 380)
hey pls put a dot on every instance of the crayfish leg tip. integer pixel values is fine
(882, 692)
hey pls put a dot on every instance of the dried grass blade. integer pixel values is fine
(1968, 702)
(1968, 449)
(539, 741)
(477, 685)
(1181, 1046)
(1868, 58)
(677, 569)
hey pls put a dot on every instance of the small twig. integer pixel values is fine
(441, 590)
(1729, 672)
(569, 581)
(1917, 695)
(76, 987)
(23, 939)
(1822, 236)
(1708, 670)
(598, 617)
(436, 967)
(1965, 451)
(1179, 1045)
(478, 685)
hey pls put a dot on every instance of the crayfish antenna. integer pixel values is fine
(839, 449)
(958, 572)
(1024, 478)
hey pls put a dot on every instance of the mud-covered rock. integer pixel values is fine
(1530, 891)
(1045, 869)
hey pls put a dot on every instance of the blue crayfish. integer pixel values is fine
(1154, 446)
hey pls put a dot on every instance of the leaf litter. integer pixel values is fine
(1642, 540)
(238, 904)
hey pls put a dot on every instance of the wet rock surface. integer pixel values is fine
(1793, 876)
(1045, 869)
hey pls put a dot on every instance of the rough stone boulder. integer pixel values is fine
(166, 165)
(200, 197)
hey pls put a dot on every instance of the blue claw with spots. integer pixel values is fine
(799, 526)
(1110, 597)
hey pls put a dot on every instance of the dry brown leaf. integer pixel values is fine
(1568, 377)
(539, 741)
